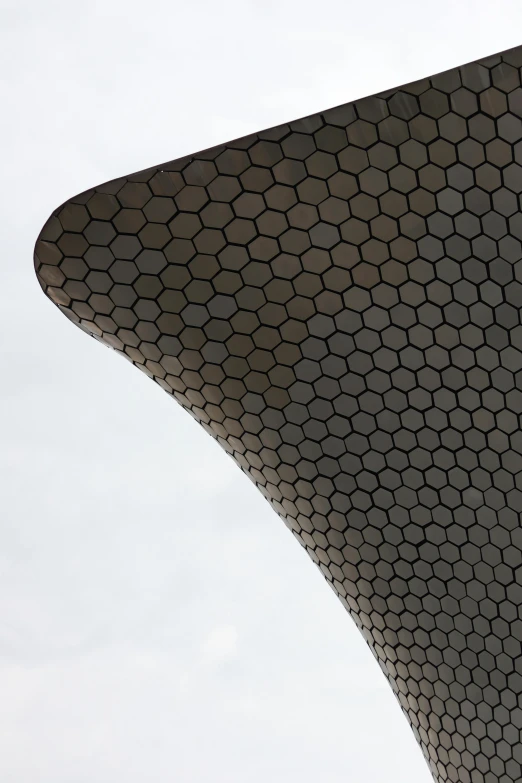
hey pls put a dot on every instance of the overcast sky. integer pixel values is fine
(154, 626)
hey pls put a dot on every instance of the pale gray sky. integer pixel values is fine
(153, 626)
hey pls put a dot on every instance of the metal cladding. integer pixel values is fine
(337, 302)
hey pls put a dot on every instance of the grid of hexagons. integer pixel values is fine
(337, 301)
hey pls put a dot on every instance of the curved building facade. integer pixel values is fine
(337, 301)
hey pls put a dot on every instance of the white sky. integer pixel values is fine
(154, 626)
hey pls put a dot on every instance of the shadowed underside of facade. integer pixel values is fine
(337, 301)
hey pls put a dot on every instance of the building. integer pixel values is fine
(337, 302)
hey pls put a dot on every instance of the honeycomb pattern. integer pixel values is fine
(337, 302)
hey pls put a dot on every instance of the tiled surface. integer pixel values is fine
(337, 302)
